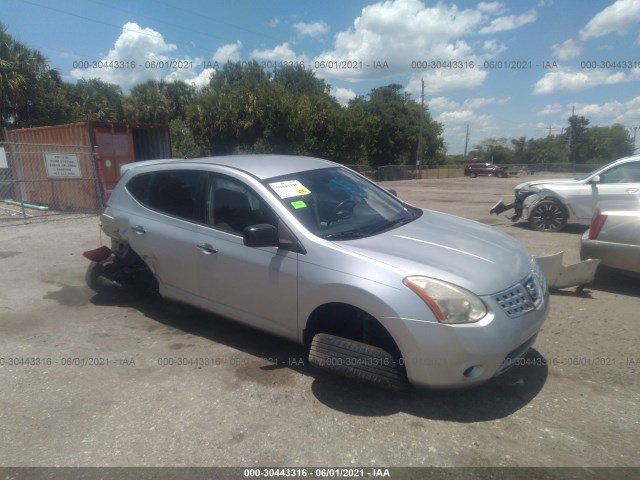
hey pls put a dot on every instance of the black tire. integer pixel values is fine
(548, 216)
(473, 174)
(501, 175)
(117, 283)
(356, 360)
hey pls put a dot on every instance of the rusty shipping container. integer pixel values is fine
(74, 167)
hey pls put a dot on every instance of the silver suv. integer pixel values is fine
(548, 205)
(304, 248)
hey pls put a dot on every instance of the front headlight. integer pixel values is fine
(449, 303)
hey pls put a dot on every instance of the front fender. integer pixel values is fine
(320, 285)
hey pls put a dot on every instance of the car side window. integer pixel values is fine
(625, 173)
(232, 206)
(172, 192)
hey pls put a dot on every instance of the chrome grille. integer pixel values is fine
(523, 297)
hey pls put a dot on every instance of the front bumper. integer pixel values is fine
(438, 355)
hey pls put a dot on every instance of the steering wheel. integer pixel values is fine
(344, 209)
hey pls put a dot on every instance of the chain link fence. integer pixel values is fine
(43, 180)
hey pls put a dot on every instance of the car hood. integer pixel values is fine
(459, 251)
(539, 184)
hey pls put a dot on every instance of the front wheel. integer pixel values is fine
(473, 174)
(548, 216)
(356, 360)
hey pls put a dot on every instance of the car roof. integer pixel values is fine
(260, 166)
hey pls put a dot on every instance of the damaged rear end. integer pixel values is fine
(117, 272)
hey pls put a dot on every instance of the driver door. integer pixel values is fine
(258, 286)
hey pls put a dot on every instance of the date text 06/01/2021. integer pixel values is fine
(337, 472)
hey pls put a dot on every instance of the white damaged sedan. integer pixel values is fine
(304, 248)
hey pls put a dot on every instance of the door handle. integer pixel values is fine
(631, 190)
(207, 248)
(139, 229)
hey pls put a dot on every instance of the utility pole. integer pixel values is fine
(419, 153)
(573, 113)
(466, 143)
(549, 143)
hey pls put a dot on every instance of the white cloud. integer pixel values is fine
(492, 8)
(438, 104)
(616, 18)
(476, 103)
(626, 113)
(443, 103)
(510, 22)
(492, 48)
(279, 53)
(566, 50)
(199, 80)
(273, 23)
(228, 53)
(315, 29)
(456, 117)
(343, 95)
(445, 80)
(573, 81)
(403, 32)
(135, 45)
(549, 110)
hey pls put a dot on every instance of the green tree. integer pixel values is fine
(386, 126)
(158, 101)
(576, 136)
(183, 143)
(495, 150)
(229, 114)
(31, 93)
(95, 100)
(605, 144)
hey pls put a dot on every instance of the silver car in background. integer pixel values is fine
(614, 237)
(304, 248)
(548, 205)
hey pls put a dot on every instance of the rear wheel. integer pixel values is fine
(117, 280)
(473, 174)
(548, 216)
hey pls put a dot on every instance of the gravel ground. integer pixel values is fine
(91, 384)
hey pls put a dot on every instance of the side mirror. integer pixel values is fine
(392, 191)
(596, 179)
(261, 235)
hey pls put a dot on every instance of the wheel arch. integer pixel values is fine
(349, 321)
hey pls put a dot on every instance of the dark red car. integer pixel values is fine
(474, 169)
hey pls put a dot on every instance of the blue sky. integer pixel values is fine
(504, 68)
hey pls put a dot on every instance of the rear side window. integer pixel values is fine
(173, 192)
(138, 187)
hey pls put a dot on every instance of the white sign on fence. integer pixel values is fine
(3, 159)
(62, 165)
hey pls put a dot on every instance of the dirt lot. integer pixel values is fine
(92, 384)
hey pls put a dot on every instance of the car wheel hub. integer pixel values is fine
(548, 217)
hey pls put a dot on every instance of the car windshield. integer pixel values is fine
(337, 204)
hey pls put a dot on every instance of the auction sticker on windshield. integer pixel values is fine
(291, 188)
